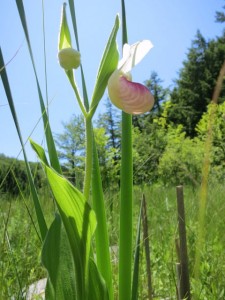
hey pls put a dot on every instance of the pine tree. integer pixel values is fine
(71, 149)
(196, 82)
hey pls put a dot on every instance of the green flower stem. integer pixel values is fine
(88, 156)
(126, 210)
(126, 194)
(70, 76)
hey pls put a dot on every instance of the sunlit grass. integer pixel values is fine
(20, 245)
(162, 218)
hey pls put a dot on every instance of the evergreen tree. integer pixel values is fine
(110, 120)
(154, 84)
(197, 79)
(220, 16)
(71, 149)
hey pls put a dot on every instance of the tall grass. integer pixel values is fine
(20, 245)
(161, 204)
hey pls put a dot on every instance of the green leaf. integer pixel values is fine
(108, 64)
(58, 260)
(40, 151)
(101, 233)
(64, 32)
(97, 287)
(78, 219)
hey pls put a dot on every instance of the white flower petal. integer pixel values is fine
(136, 53)
(126, 54)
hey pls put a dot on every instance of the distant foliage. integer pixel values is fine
(181, 162)
(71, 149)
(13, 176)
(218, 150)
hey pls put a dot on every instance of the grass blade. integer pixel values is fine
(39, 213)
(73, 17)
(48, 133)
(137, 258)
(146, 245)
(184, 283)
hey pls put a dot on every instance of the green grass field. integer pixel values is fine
(20, 246)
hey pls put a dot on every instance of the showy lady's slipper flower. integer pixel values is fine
(69, 58)
(131, 97)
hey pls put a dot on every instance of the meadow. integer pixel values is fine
(90, 239)
(20, 246)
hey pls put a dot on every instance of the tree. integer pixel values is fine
(220, 16)
(71, 149)
(154, 84)
(197, 79)
(110, 120)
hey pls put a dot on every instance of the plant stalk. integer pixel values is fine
(126, 210)
(88, 156)
(126, 195)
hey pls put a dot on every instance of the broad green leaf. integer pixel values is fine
(49, 291)
(78, 219)
(64, 32)
(108, 64)
(101, 233)
(58, 260)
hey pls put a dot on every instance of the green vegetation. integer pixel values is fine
(20, 246)
(181, 141)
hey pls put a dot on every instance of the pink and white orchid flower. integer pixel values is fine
(131, 97)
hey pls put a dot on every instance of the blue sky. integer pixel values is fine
(170, 25)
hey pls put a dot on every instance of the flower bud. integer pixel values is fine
(69, 58)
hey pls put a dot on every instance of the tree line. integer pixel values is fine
(13, 177)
